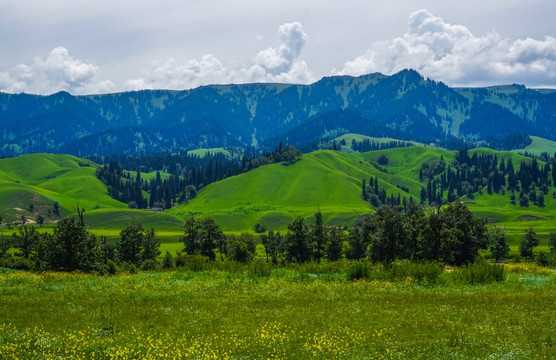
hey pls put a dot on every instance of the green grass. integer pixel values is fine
(42, 179)
(539, 145)
(274, 195)
(289, 314)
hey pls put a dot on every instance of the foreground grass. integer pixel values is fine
(286, 314)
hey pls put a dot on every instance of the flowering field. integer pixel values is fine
(229, 315)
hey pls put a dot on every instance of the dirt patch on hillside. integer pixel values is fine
(528, 218)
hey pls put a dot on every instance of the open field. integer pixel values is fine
(288, 313)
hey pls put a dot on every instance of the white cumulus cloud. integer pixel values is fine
(55, 72)
(451, 53)
(280, 64)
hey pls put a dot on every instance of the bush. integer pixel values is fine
(149, 265)
(359, 270)
(479, 272)
(16, 263)
(180, 259)
(168, 261)
(128, 267)
(427, 272)
(545, 259)
(258, 269)
(111, 267)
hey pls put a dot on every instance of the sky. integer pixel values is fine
(98, 46)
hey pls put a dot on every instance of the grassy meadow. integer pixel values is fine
(253, 311)
(303, 312)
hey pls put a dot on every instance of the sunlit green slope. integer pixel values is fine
(43, 179)
(274, 195)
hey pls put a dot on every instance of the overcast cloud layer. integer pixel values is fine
(452, 54)
(447, 52)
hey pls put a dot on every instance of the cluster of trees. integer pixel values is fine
(509, 142)
(121, 185)
(369, 145)
(469, 174)
(378, 196)
(187, 174)
(72, 247)
(450, 234)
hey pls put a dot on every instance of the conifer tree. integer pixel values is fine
(528, 242)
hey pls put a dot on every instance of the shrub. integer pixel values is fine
(180, 259)
(479, 272)
(359, 270)
(111, 267)
(427, 272)
(258, 269)
(128, 267)
(544, 259)
(149, 265)
(16, 263)
(168, 261)
(196, 262)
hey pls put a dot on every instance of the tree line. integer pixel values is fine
(371, 145)
(449, 234)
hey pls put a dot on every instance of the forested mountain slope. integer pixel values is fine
(403, 105)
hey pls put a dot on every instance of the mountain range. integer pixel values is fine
(404, 106)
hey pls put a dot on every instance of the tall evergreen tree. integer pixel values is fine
(318, 237)
(151, 245)
(498, 246)
(191, 236)
(131, 242)
(210, 235)
(298, 249)
(528, 242)
(334, 244)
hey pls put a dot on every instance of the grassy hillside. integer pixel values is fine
(42, 179)
(539, 145)
(274, 195)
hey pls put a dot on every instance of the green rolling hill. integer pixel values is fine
(271, 195)
(538, 146)
(43, 179)
(275, 194)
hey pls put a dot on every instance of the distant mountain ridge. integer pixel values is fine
(403, 105)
